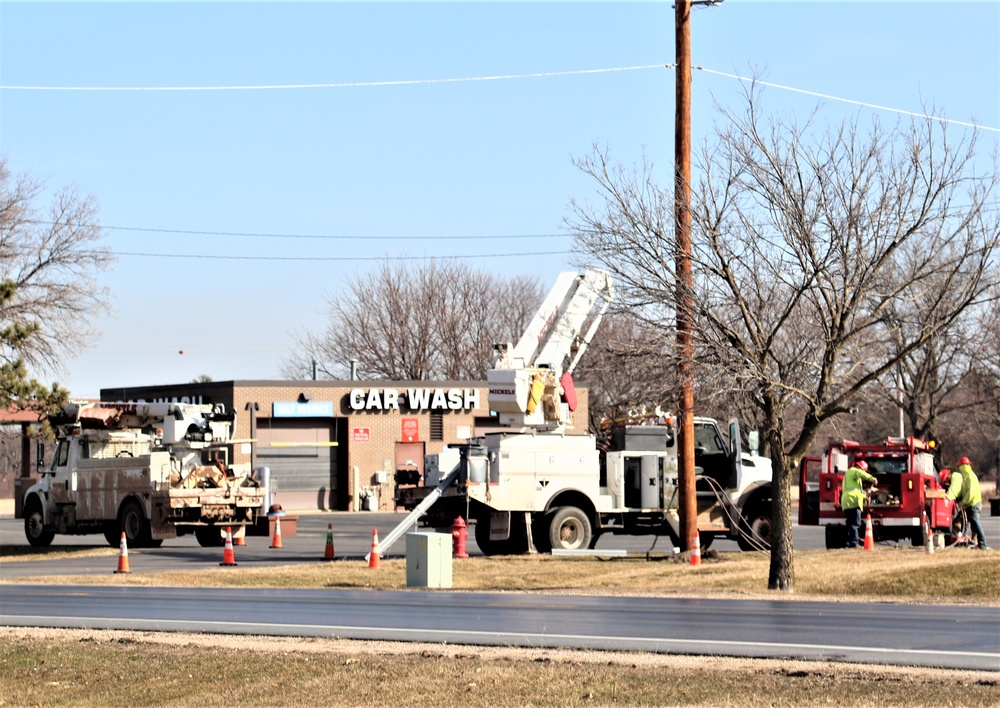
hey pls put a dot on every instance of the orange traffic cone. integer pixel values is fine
(123, 556)
(328, 556)
(928, 537)
(869, 537)
(240, 539)
(228, 557)
(696, 550)
(276, 538)
(374, 557)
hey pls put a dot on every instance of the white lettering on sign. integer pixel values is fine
(415, 399)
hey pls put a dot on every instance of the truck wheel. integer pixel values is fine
(540, 532)
(133, 522)
(515, 544)
(756, 534)
(34, 526)
(836, 536)
(209, 537)
(570, 529)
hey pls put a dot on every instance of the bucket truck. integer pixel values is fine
(540, 483)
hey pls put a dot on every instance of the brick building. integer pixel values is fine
(338, 444)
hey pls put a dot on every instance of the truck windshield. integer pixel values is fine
(888, 465)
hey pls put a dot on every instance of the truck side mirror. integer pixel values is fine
(39, 455)
(753, 441)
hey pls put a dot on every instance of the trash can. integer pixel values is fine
(428, 560)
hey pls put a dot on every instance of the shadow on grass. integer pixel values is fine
(10, 550)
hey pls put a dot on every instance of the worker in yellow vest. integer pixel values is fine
(964, 489)
(853, 497)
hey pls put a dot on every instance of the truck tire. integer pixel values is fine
(540, 532)
(570, 529)
(756, 532)
(34, 525)
(209, 537)
(515, 544)
(836, 536)
(133, 522)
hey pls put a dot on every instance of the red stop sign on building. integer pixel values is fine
(411, 430)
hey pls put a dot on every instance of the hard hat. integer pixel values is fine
(964, 461)
(944, 475)
(861, 465)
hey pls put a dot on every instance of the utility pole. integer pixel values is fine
(682, 234)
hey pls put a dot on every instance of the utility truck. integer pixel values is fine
(908, 502)
(151, 470)
(539, 483)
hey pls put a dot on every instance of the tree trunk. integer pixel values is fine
(782, 572)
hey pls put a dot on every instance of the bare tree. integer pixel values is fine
(822, 257)
(48, 300)
(434, 321)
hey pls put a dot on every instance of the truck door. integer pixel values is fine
(64, 481)
(809, 491)
(736, 455)
(711, 455)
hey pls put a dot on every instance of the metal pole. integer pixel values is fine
(682, 233)
(252, 407)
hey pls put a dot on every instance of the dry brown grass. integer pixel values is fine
(108, 668)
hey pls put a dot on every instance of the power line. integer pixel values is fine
(848, 100)
(353, 84)
(498, 77)
(205, 256)
(295, 236)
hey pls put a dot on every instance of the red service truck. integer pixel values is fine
(907, 503)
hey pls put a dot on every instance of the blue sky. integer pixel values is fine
(397, 166)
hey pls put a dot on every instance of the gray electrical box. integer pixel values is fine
(428, 560)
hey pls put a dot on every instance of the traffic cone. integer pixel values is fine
(123, 556)
(276, 538)
(374, 557)
(696, 550)
(240, 539)
(869, 537)
(228, 557)
(328, 556)
(929, 537)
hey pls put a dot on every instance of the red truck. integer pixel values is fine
(908, 490)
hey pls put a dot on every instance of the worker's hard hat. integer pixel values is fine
(964, 461)
(861, 465)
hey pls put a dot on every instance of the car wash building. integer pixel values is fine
(337, 445)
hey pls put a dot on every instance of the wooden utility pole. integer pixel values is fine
(682, 233)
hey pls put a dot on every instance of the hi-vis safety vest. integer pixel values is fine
(964, 486)
(852, 495)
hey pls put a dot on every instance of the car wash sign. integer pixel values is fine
(413, 399)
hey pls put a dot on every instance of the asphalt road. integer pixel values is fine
(961, 637)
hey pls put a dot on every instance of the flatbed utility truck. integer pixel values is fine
(151, 470)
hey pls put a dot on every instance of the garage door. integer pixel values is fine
(302, 461)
